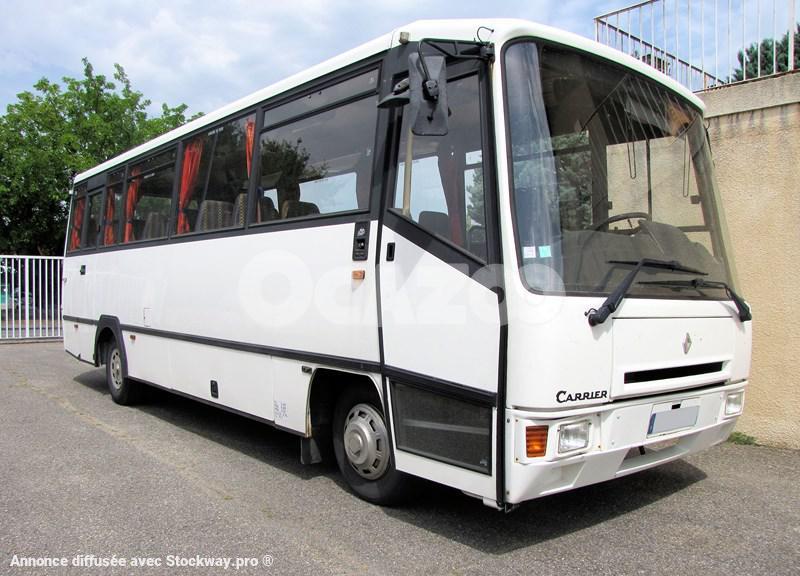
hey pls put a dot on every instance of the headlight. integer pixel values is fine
(734, 403)
(574, 436)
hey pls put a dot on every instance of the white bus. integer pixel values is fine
(485, 253)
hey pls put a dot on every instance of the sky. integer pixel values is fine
(207, 53)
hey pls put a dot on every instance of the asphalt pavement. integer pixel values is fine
(180, 485)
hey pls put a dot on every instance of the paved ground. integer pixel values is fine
(80, 476)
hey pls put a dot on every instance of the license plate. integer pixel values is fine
(667, 418)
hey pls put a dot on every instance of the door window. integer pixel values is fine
(443, 191)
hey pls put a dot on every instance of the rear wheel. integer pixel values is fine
(363, 450)
(123, 390)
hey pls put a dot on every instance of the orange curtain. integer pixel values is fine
(130, 203)
(192, 154)
(109, 234)
(77, 224)
(250, 132)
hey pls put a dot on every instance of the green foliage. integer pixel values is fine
(476, 209)
(766, 54)
(742, 438)
(290, 163)
(573, 164)
(53, 132)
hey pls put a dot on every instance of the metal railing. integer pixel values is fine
(30, 297)
(705, 43)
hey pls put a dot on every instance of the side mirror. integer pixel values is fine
(428, 83)
(426, 90)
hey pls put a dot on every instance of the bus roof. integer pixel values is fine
(498, 31)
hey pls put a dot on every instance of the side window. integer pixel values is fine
(441, 185)
(93, 216)
(215, 175)
(76, 226)
(113, 208)
(320, 164)
(149, 198)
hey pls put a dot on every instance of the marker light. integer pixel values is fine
(734, 403)
(536, 441)
(574, 436)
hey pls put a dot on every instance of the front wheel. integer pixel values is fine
(363, 450)
(123, 390)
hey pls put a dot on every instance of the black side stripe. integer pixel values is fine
(439, 386)
(442, 387)
(79, 320)
(444, 250)
(317, 358)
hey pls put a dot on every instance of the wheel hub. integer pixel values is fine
(116, 369)
(366, 441)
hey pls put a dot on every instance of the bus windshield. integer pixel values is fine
(609, 167)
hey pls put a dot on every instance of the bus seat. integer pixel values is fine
(267, 210)
(138, 228)
(191, 215)
(214, 214)
(155, 226)
(240, 209)
(297, 209)
(436, 222)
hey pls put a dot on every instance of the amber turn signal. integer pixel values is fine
(536, 441)
(359, 274)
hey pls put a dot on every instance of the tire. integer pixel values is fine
(123, 390)
(363, 449)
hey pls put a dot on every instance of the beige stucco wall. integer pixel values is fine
(755, 137)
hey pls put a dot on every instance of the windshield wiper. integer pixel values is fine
(598, 316)
(741, 306)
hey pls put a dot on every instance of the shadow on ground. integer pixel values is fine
(431, 507)
(94, 379)
(250, 437)
(448, 513)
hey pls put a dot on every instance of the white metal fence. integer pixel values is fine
(704, 43)
(30, 297)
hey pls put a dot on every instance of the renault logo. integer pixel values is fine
(687, 343)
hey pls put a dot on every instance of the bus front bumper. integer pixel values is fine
(623, 438)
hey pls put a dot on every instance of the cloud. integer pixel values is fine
(208, 53)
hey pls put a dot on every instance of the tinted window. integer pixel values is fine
(149, 198)
(343, 90)
(113, 211)
(214, 177)
(93, 215)
(444, 191)
(318, 165)
(76, 226)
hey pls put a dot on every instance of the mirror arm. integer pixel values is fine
(485, 50)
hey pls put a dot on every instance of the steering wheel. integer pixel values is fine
(622, 216)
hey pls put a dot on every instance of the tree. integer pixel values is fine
(476, 207)
(50, 134)
(290, 163)
(766, 55)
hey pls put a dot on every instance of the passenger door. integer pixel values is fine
(441, 327)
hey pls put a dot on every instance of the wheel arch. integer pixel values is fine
(108, 330)
(328, 384)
